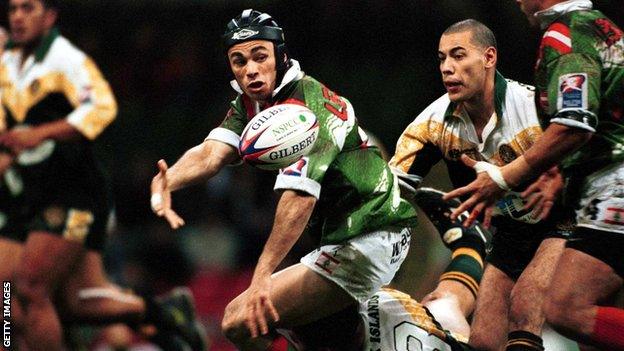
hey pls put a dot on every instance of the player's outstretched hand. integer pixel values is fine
(483, 192)
(541, 195)
(259, 307)
(161, 197)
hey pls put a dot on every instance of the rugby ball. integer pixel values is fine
(279, 136)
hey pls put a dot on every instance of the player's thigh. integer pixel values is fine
(46, 259)
(529, 291)
(581, 280)
(489, 324)
(300, 296)
(10, 254)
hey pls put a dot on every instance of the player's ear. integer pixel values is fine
(490, 56)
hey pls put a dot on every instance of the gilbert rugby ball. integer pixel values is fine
(279, 136)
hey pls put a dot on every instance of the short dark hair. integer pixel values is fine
(50, 4)
(481, 34)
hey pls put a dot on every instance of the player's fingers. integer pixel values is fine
(455, 193)
(272, 310)
(548, 205)
(156, 202)
(532, 201)
(465, 206)
(487, 216)
(468, 161)
(250, 320)
(533, 188)
(474, 214)
(174, 220)
(162, 166)
(260, 317)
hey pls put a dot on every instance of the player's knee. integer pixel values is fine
(232, 327)
(481, 341)
(557, 309)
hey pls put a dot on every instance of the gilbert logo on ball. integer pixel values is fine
(279, 136)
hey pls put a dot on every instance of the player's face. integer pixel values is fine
(253, 65)
(463, 66)
(29, 20)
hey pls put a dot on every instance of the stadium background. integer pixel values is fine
(168, 71)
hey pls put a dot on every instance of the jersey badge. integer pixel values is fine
(572, 91)
(327, 262)
(507, 153)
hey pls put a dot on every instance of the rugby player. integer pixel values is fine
(360, 221)
(580, 85)
(53, 199)
(489, 118)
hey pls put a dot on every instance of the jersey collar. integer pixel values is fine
(294, 73)
(46, 42)
(500, 89)
(546, 17)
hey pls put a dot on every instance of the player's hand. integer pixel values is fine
(161, 197)
(541, 195)
(484, 192)
(21, 139)
(259, 307)
(6, 160)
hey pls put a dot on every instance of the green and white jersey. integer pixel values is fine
(356, 191)
(580, 81)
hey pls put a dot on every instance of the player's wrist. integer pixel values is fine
(515, 172)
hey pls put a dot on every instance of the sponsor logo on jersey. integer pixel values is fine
(572, 91)
(455, 154)
(244, 34)
(507, 153)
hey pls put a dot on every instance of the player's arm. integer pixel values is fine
(197, 164)
(573, 122)
(291, 216)
(94, 109)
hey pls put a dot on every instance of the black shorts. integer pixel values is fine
(514, 243)
(603, 245)
(55, 200)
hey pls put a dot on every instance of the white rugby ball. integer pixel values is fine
(279, 136)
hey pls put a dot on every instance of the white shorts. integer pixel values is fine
(602, 200)
(364, 264)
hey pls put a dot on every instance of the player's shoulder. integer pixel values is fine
(520, 91)
(63, 55)
(435, 111)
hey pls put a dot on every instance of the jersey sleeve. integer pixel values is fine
(90, 95)
(416, 151)
(574, 90)
(230, 130)
(336, 123)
